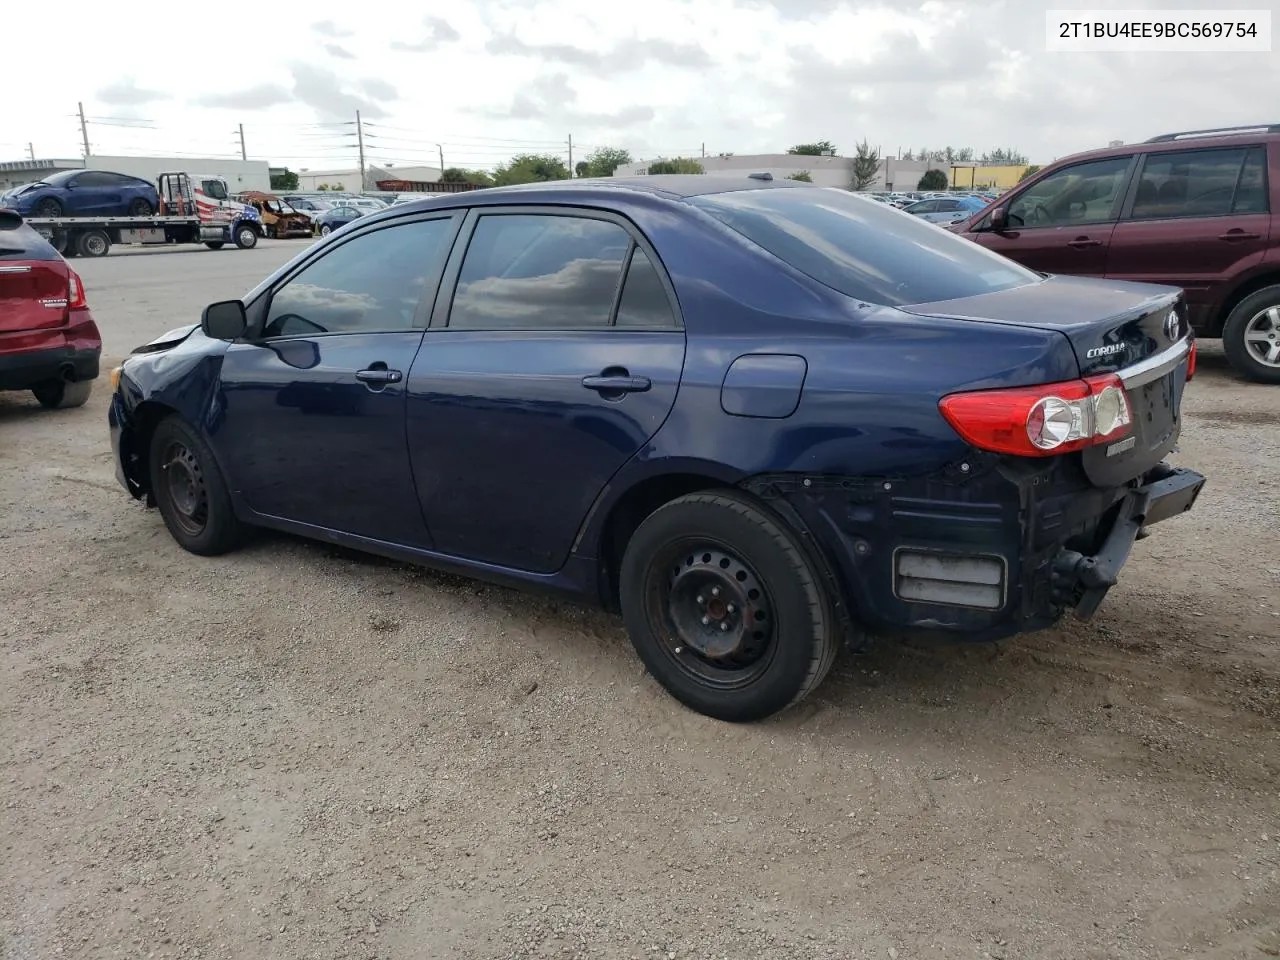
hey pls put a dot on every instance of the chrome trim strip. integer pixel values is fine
(24, 268)
(1155, 367)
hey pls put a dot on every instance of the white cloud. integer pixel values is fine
(497, 77)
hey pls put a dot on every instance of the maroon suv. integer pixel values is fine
(1196, 210)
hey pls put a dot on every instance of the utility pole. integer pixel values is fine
(84, 130)
(360, 141)
(704, 150)
(571, 154)
(441, 149)
(31, 151)
(243, 153)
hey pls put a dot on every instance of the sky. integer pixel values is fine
(485, 79)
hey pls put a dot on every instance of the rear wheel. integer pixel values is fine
(93, 243)
(141, 207)
(246, 237)
(61, 395)
(725, 608)
(189, 491)
(48, 207)
(1251, 336)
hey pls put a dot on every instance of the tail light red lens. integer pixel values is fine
(75, 292)
(1041, 421)
(1191, 361)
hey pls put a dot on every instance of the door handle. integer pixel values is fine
(1081, 242)
(377, 373)
(617, 383)
(1238, 234)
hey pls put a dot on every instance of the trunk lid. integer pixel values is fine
(34, 282)
(1135, 330)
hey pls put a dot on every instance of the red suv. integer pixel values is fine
(1196, 210)
(49, 343)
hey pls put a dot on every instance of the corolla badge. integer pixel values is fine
(1106, 351)
(1172, 325)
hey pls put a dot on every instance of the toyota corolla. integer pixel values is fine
(760, 419)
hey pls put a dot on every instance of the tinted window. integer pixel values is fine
(1251, 191)
(539, 272)
(1189, 183)
(1083, 193)
(95, 179)
(371, 283)
(924, 206)
(864, 249)
(644, 300)
(948, 206)
(214, 188)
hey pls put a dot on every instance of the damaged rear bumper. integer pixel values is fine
(980, 551)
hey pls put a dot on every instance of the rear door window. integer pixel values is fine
(861, 248)
(1200, 183)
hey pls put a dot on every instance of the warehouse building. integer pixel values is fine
(239, 174)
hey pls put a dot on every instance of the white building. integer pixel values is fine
(239, 174)
(348, 178)
(894, 174)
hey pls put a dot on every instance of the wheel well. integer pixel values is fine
(630, 511)
(146, 417)
(1245, 289)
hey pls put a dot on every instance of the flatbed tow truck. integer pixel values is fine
(190, 211)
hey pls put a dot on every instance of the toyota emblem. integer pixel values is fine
(1172, 325)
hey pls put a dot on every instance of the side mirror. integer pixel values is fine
(224, 320)
(999, 219)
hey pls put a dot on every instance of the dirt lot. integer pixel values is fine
(294, 752)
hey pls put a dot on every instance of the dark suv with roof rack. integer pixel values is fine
(1195, 209)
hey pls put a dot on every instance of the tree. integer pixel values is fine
(1002, 155)
(866, 166)
(802, 176)
(932, 180)
(675, 165)
(1029, 172)
(603, 161)
(530, 168)
(480, 178)
(284, 181)
(582, 168)
(813, 149)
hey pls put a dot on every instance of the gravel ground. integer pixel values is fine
(296, 752)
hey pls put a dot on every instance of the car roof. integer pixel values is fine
(598, 189)
(1190, 140)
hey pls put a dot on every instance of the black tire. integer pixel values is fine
(246, 237)
(214, 244)
(93, 243)
(325, 230)
(141, 207)
(1252, 327)
(771, 639)
(47, 208)
(190, 492)
(61, 395)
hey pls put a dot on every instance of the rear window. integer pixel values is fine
(24, 243)
(864, 249)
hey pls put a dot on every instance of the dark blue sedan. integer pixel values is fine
(85, 193)
(761, 419)
(337, 215)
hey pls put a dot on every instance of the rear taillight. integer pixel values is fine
(75, 292)
(1191, 362)
(1041, 421)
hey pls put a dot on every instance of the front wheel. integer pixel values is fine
(725, 607)
(326, 230)
(190, 492)
(246, 237)
(1251, 336)
(48, 208)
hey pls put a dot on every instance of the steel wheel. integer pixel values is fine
(1262, 337)
(712, 614)
(184, 487)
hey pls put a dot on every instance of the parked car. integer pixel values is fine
(1197, 210)
(85, 193)
(338, 215)
(757, 417)
(311, 206)
(49, 343)
(944, 209)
